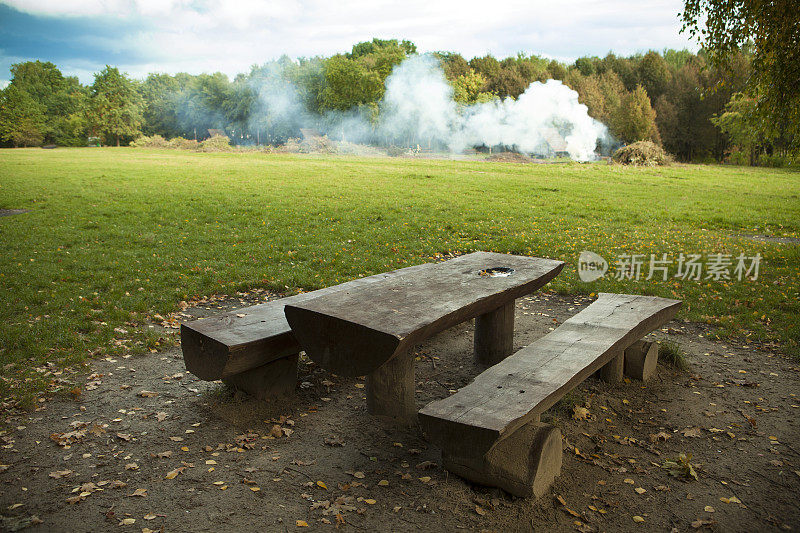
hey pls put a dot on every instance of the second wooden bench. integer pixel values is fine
(490, 431)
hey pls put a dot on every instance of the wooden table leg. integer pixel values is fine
(612, 371)
(390, 390)
(494, 335)
(275, 378)
(641, 359)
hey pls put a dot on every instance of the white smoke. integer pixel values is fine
(419, 101)
(418, 108)
(418, 104)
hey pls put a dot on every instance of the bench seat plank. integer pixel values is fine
(354, 332)
(518, 389)
(227, 344)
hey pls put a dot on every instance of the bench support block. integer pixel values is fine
(494, 335)
(524, 463)
(390, 390)
(641, 359)
(612, 371)
(275, 378)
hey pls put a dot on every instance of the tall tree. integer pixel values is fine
(654, 74)
(115, 110)
(737, 123)
(636, 118)
(349, 84)
(22, 119)
(60, 100)
(725, 26)
(160, 99)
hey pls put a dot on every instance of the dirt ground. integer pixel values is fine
(146, 446)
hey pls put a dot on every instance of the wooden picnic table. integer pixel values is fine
(372, 329)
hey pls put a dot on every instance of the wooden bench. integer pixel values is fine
(490, 431)
(253, 348)
(372, 329)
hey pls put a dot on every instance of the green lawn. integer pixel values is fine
(116, 235)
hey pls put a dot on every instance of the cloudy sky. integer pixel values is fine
(141, 36)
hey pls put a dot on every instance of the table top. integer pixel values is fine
(353, 332)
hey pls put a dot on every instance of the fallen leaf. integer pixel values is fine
(147, 394)
(708, 509)
(127, 521)
(580, 413)
(369, 501)
(661, 436)
(139, 492)
(131, 466)
(640, 490)
(638, 518)
(301, 523)
(172, 474)
(359, 475)
(149, 516)
(322, 485)
(692, 432)
(383, 483)
(58, 474)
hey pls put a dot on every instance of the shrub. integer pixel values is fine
(217, 143)
(395, 151)
(774, 161)
(156, 141)
(671, 354)
(292, 146)
(644, 153)
(183, 144)
(316, 145)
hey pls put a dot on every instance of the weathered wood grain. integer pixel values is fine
(612, 371)
(390, 390)
(641, 359)
(494, 335)
(525, 463)
(355, 331)
(227, 344)
(276, 378)
(513, 392)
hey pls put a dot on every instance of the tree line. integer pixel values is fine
(697, 109)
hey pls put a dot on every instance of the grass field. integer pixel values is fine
(117, 235)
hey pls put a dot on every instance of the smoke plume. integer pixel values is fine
(418, 109)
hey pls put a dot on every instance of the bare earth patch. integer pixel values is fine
(146, 445)
(9, 212)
